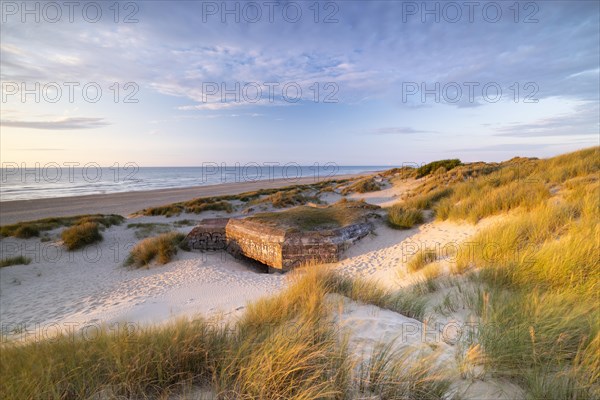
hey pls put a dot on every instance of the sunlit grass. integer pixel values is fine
(159, 248)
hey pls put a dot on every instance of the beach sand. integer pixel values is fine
(128, 202)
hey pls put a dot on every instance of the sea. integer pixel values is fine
(21, 182)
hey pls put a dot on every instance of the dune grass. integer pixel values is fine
(402, 217)
(30, 229)
(421, 259)
(279, 197)
(289, 198)
(18, 260)
(161, 248)
(338, 215)
(81, 235)
(540, 263)
(146, 229)
(363, 185)
(435, 166)
(283, 347)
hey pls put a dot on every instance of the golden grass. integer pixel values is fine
(161, 248)
(541, 265)
(401, 217)
(81, 235)
(284, 347)
(421, 259)
(363, 185)
(338, 215)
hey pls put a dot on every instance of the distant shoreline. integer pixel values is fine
(125, 203)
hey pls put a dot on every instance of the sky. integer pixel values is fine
(182, 83)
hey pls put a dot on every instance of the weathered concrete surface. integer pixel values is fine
(208, 235)
(279, 248)
(257, 241)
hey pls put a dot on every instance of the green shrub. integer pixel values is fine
(401, 217)
(26, 231)
(81, 235)
(447, 165)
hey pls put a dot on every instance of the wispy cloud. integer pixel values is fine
(583, 121)
(71, 123)
(402, 130)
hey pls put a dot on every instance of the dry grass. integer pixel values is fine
(81, 235)
(541, 265)
(280, 197)
(421, 259)
(147, 229)
(317, 218)
(161, 248)
(401, 217)
(30, 229)
(363, 185)
(18, 260)
(284, 347)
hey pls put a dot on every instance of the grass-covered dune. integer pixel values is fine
(536, 269)
(340, 214)
(284, 347)
(279, 197)
(540, 265)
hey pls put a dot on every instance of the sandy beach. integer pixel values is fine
(129, 202)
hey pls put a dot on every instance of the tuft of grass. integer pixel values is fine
(195, 206)
(405, 302)
(144, 230)
(81, 235)
(30, 229)
(161, 248)
(290, 198)
(401, 217)
(403, 374)
(422, 258)
(425, 201)
(17, 260)
(363, 185)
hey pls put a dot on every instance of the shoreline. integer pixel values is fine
(125, 203)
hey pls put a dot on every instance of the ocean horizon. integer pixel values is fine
(52, 182)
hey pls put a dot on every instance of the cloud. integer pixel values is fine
(71, 123)
(37, 149)
(583, 121)
(396, 131)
